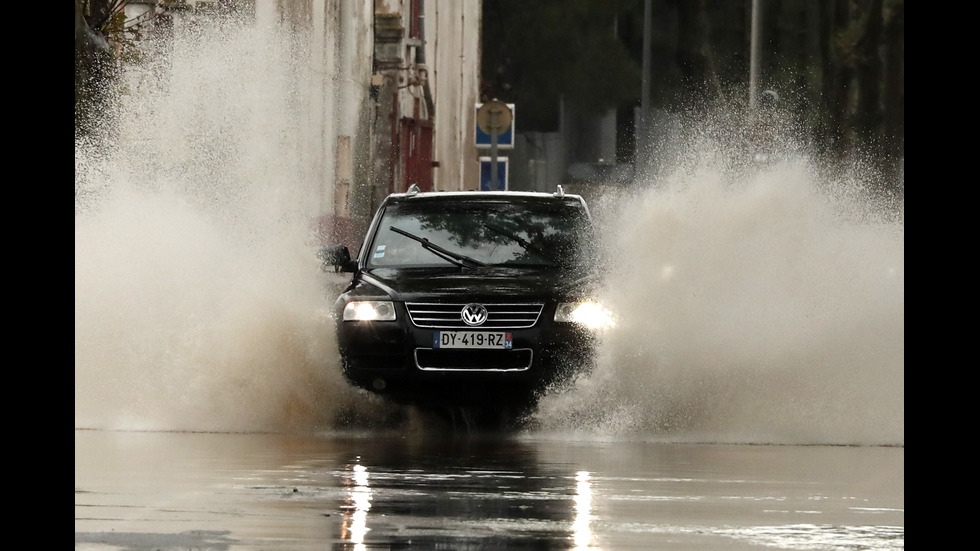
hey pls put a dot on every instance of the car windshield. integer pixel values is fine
(479, 234)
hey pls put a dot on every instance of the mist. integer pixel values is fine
(756, 304)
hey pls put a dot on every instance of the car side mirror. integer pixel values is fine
(337, 257)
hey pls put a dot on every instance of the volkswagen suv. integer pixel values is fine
(469, 298)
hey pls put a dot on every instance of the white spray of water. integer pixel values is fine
(767, 307)
(197, 290)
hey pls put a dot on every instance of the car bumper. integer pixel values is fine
(398, 359)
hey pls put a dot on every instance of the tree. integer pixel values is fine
(104, 41)
(94, 60)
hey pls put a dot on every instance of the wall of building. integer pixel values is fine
(338, 40)
(454, 51)
(370, 74)
(438, 85)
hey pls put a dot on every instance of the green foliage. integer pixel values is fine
(125, 40)
(104, 43)
(94, 68)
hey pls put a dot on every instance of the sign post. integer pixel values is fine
(494, 118)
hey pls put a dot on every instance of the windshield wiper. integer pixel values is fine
(460, 260)
(527, 245)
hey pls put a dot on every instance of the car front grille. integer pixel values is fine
(500, 315)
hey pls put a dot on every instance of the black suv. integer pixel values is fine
(469, 298)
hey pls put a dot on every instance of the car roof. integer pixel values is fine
(468, 196)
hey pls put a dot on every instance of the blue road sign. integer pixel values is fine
(486, 176)
(505, 140)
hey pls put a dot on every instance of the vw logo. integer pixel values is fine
(473, 314)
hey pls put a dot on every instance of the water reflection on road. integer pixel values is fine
(391, 491)
(581, 532)
(356, 508)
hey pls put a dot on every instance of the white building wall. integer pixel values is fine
(453, 54)
(323, 131)
(341, 49)
(352, 106)
(452, 71)
(354, 72)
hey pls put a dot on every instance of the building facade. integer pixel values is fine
(391, 86)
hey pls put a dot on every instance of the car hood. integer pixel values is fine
(481, 284)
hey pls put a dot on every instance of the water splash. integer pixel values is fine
(197, 291)
(760, 305)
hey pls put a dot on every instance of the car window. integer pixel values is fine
(496, 234)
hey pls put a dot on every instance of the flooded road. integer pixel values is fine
(386, 490)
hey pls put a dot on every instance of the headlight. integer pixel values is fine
(589, 314)
(369, 310)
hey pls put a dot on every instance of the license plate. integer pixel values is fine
(473, 339)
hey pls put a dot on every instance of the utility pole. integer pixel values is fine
(754, 59)
(645, 80)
